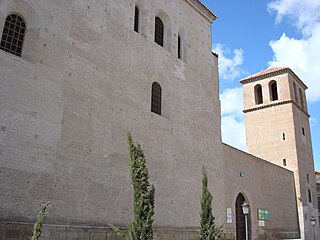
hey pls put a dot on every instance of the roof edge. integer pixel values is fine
(203, 9)
(271, 74)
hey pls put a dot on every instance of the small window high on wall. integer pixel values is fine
(273, 89)
(156, 93)
(284, 162)
(309, 196)
(258, 94)
(136, 19)
(179, 47)
(13, 34)
(158, 31)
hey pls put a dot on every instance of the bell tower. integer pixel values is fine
(277, 130)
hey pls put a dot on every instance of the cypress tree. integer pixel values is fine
(208, 230)
(143, 196)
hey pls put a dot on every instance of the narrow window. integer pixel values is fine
(179, 47)
(156, 98)
(13, 35)
(284, 162)
(308, 180)
(283, 136)
(258, 94)
(158, 31)
(318, 198)
(301, 98)
(303, 132)
(295, 92)
(136, 19)
(273, 90)
(309, 195)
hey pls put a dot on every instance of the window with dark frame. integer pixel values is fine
(158, 31)
(273, 90)
(13, 34)
(136, 19)
(309, 195)
(156, 98)
(179, 47)
(303, 132)
(284, 162)
(258, 94)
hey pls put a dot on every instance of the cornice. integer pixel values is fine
(272, 74)
(215, 54)
(203, 9)
(277, 104)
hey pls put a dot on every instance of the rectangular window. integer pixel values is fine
(283, 136)
(179, 47)
(284, 162)
(318, 198)
(136, 19)
(303, 132)
(309, 196)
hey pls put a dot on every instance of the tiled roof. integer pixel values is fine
(266, 71)
(271, 71)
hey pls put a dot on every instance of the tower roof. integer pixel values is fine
(269, 72)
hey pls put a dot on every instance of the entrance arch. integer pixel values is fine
(240, 219)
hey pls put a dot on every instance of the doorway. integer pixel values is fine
(240, 219)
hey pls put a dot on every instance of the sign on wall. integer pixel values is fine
(263, 214)
(229, 215)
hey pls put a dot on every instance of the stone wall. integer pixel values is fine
(83, 81)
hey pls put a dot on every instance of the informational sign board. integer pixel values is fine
(263, 214)
(261, 223)
(229, 215)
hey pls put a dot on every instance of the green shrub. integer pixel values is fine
(40, 219)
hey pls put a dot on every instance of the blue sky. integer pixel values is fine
(251, 35)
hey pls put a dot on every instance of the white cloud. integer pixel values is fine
(232, 102)
(313, 121)
(304, 14)
(232, 121)
(229, 67)
(301, 55)
(233, 132)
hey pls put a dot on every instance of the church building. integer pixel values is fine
(76, 75)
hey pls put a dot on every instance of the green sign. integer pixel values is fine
(263, 214)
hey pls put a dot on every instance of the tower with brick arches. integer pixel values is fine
(277, 130)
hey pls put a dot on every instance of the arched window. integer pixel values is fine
(13, 34)
(301, 98)
(258, 94)
(136, 19)
(273, 90)
(158, 31)
(295, 92)
(156, 98)
(179, 47)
